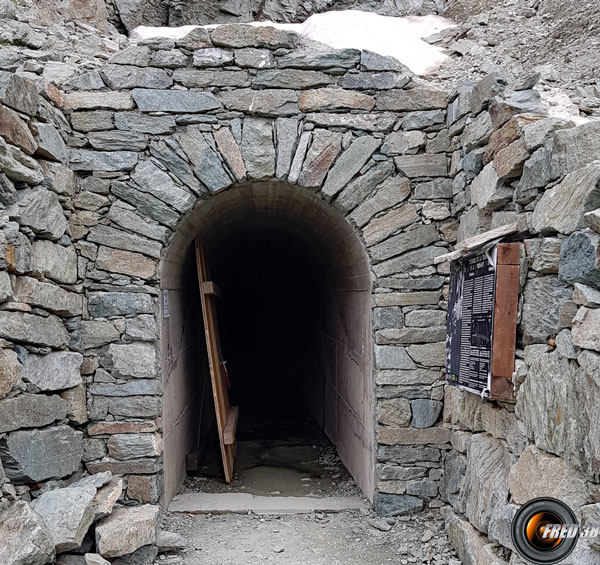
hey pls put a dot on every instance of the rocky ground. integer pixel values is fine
(559, 39)
(348, 538)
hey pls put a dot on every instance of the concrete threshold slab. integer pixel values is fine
(241, 503)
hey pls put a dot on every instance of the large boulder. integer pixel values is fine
(553, 477)
(471, 546)
(488, 190)
(574, 148)
(24, 537)
(69, 513)
(126, 530)
(486, 490)
(19, 93)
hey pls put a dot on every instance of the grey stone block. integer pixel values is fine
(108, 304)
(174, 101)
(397, 504)
(425, 412)
(68, 512)
(30, 411)
(580, 259)
(36, 455)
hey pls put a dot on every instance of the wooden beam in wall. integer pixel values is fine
(505, 321)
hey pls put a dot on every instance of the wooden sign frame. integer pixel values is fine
(496, 348)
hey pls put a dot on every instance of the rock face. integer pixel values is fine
(555, 392)
(560, 481)
(562, 208)
(25, 537)
(126, 530)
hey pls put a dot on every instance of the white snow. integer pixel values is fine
(398, 37)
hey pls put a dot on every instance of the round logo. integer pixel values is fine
(545, 531)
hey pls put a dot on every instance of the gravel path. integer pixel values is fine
(349, 538)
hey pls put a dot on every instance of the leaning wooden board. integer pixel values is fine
(226, 415)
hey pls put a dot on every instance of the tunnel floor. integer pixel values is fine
(278, 454)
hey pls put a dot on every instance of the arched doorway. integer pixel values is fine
(295, 322)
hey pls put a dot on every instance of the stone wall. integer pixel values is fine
(513, 162)
(105, 158)
(103, 162)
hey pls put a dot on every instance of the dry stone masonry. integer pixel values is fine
(512, 162)
(132, 144)
(104, 156)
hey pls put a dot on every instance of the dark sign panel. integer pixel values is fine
(471, 321)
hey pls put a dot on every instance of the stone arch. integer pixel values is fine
(181, 123)
(342, 394)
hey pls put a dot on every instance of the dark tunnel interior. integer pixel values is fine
(295, 332)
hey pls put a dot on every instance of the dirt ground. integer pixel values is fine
(348, 538)
(293, 458)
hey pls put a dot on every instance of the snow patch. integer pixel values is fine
(398, 37)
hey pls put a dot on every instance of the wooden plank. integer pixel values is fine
(212, 288)
(505, 321)
(231, 425)
(509, 254)
(217, 371)
(473, 243)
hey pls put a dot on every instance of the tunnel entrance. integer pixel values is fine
(295, 334)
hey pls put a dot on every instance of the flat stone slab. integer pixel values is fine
(241, 503)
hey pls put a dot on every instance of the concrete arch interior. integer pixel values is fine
(295, 324)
